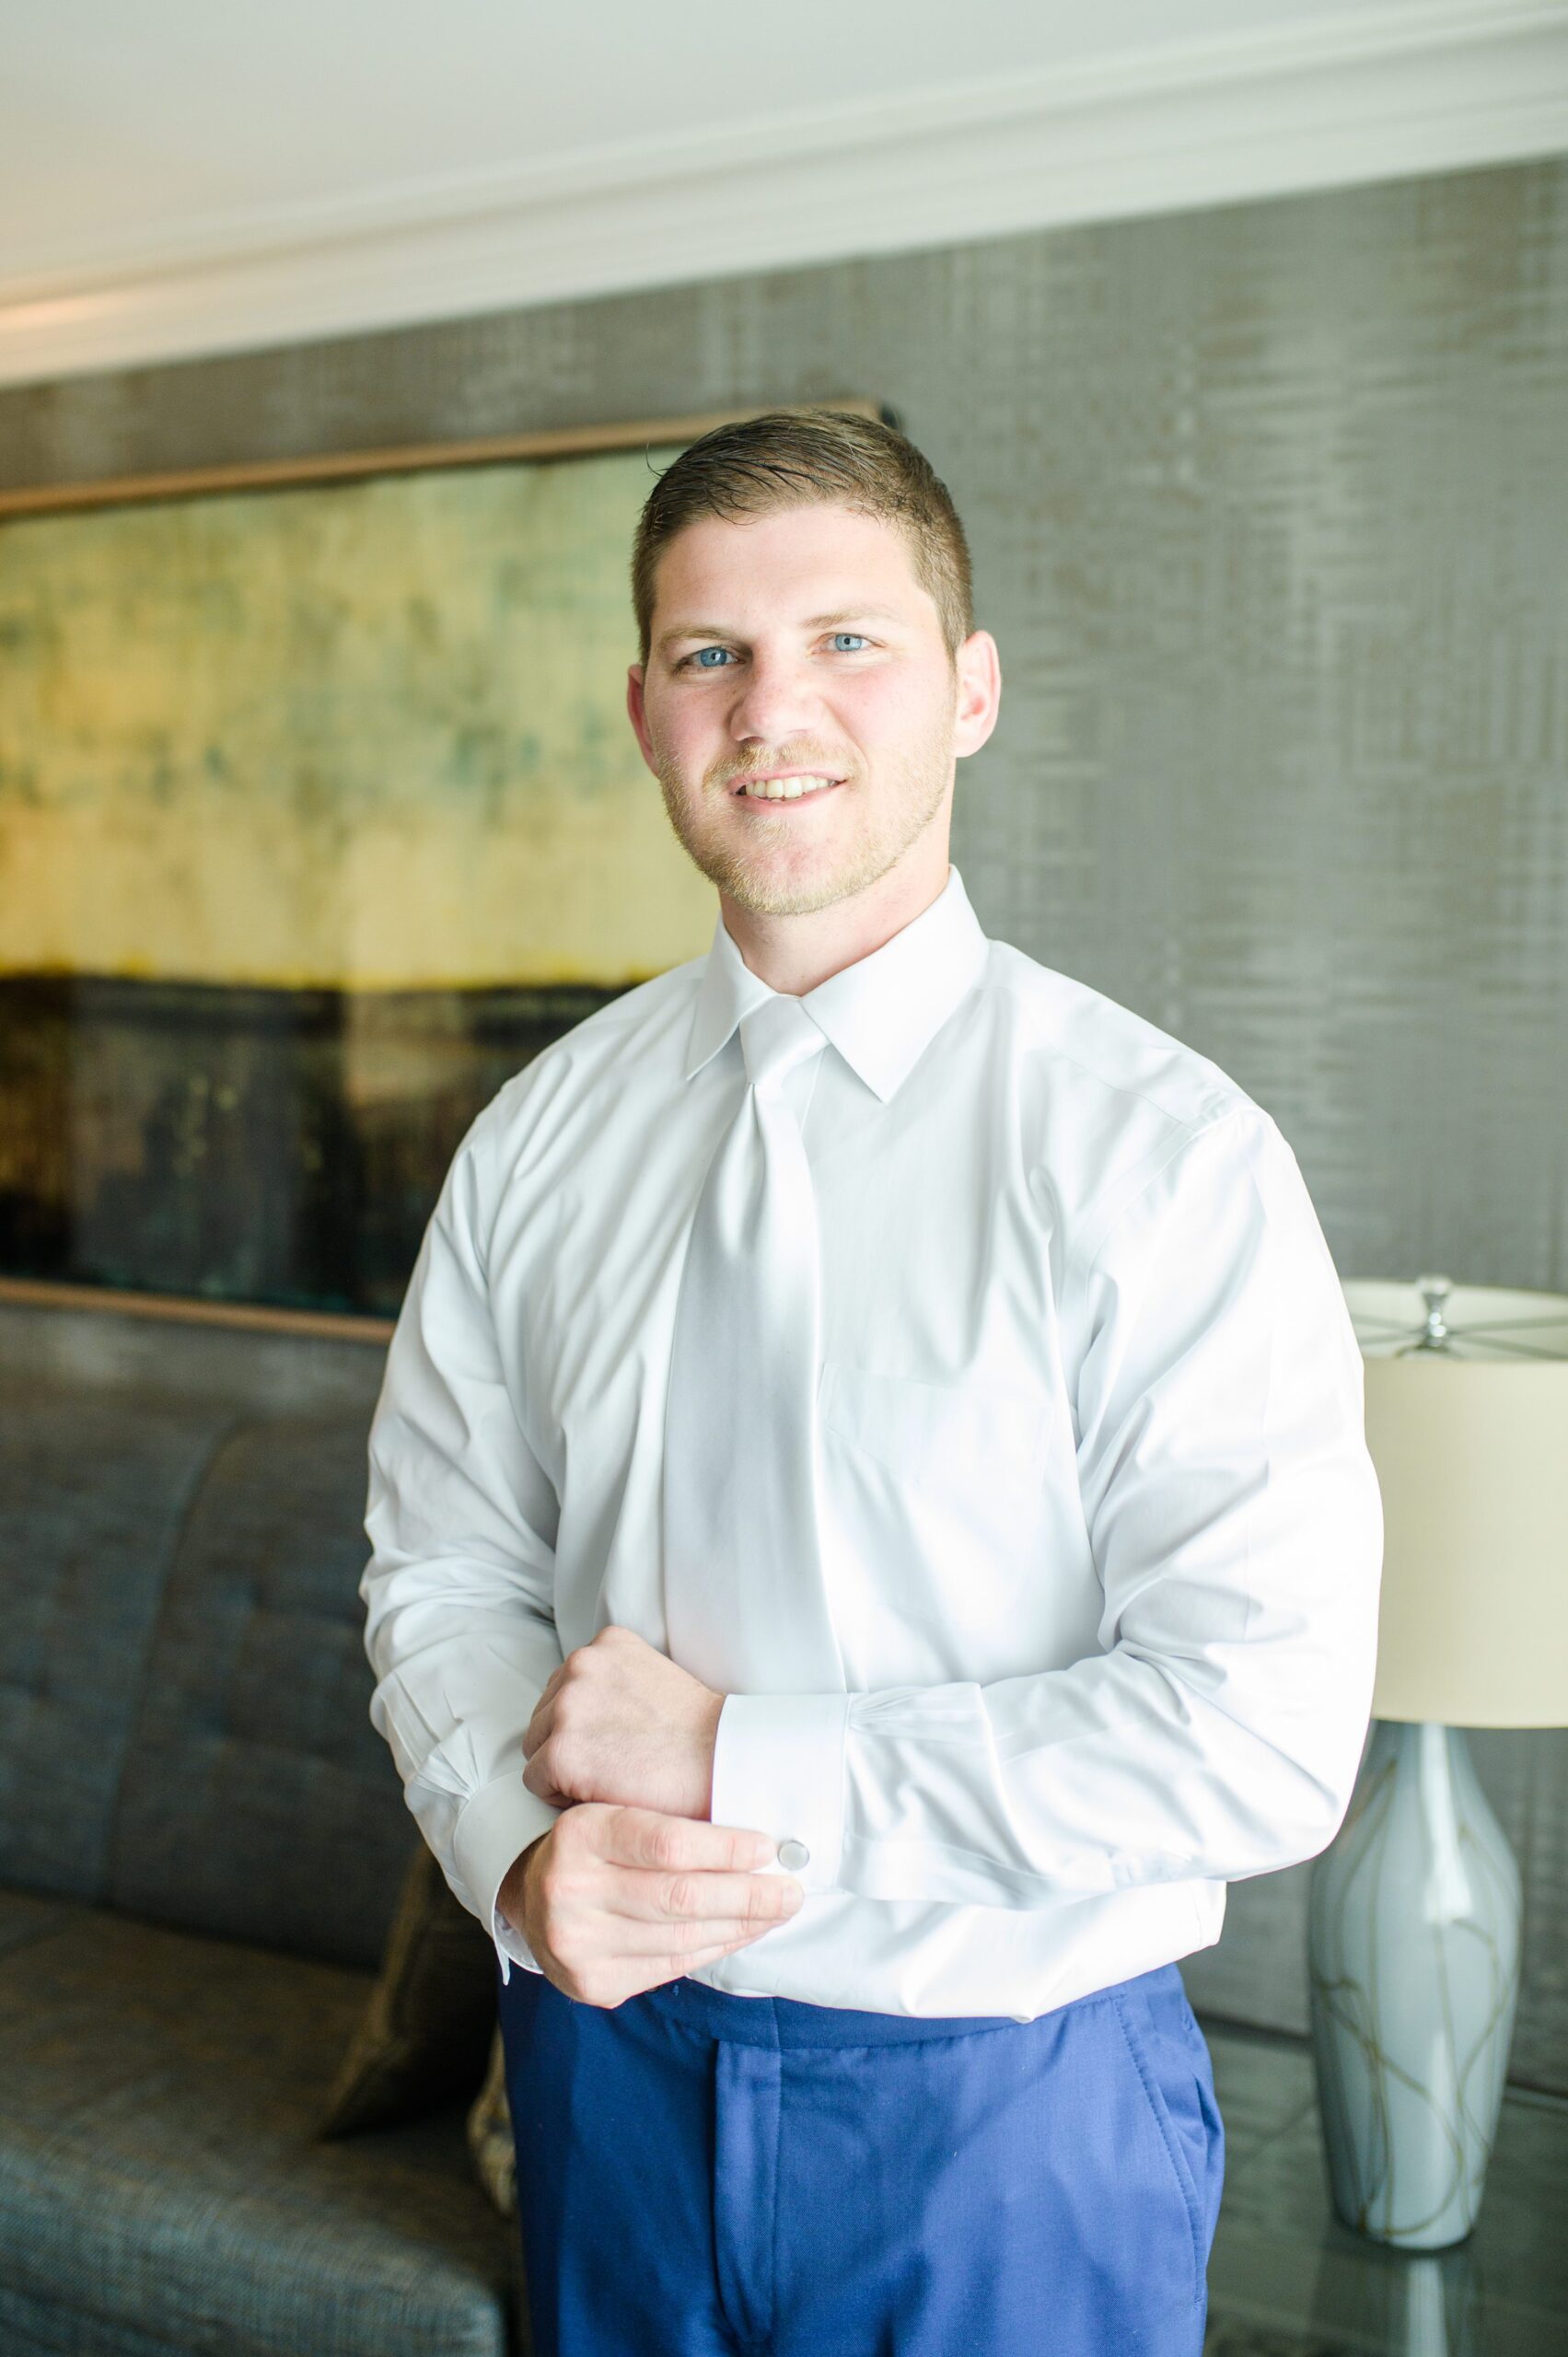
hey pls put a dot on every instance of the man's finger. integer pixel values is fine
(673, 1967)
(696, 1894)
(684, 1937)
(544, 1709)
(538, 1782)
(648, 1837)
(543, 1719)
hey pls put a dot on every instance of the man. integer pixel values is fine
(872, 1525)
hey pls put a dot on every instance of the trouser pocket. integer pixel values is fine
(1183, 2112)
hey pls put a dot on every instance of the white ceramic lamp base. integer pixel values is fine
(1413, 1954)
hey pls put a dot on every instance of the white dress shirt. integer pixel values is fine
(1101, 1536)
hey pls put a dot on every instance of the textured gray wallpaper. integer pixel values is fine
(1269, 507)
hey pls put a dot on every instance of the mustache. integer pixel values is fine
(765, 763)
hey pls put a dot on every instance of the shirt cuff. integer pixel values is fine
(495, 1827)
(779, 1769)
(510, 1946)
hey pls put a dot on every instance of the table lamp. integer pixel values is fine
(1413, 1916)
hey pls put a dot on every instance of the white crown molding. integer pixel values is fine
(1382, 94)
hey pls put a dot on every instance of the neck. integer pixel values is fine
(793, 954)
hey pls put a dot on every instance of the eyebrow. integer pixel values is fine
(669, 638)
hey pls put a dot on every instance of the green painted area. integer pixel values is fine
(369, 733)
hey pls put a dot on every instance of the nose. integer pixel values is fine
(775, 699)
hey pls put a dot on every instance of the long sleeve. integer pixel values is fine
(459, 1625)
(1236, 1526)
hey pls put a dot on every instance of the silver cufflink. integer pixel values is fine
(793, 1856)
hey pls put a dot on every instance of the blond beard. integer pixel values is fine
(748, 883)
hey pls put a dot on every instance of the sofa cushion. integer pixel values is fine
(25, 1917)
(184, 1692)
(93, 1488)
(159, 2094)
(257, 1801)
(31, 2327)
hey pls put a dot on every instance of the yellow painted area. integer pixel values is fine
(371, 734)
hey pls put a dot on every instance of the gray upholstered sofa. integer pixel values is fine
(202, 1839)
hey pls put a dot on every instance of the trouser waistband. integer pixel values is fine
(788, 2022)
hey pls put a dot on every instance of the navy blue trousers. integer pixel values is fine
(701, 2174)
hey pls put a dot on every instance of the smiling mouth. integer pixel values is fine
(786, 789)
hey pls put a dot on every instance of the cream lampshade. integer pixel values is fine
(1414, 1911)
(1470, 1437)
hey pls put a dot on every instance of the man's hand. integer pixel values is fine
(619, 1722)
(615, 1900)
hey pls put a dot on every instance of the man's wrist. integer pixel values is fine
(512, 1897)
(711, 1734)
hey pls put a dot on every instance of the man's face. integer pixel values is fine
(800, 648)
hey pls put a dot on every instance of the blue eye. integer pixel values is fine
(700, 658)
(841, 634)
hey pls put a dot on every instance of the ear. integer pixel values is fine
(638, 714)
(979, 691)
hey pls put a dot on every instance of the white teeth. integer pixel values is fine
(786, 789)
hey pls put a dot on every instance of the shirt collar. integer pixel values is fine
(881, 1013)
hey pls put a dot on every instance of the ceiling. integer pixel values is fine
(177, 177)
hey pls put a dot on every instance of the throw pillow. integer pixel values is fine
(424, 2038)
(490, 2133)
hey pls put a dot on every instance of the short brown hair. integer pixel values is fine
(799, 459)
